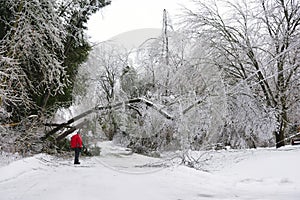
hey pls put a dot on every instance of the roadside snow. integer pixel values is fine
(7, 158)
(266, 174)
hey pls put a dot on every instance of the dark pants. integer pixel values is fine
(77, 152)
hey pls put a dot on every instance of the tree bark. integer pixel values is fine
(279, 135)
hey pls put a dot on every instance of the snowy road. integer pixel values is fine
(266, 174)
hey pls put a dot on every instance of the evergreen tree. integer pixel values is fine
(34, 39)
(42, 44)
(75, 14)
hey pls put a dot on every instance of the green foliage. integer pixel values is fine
(76, 56)
(63, 145)
(33, 39)
(5, 16)
(47, 40)
(76, 45)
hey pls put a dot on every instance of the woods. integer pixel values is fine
(259, 44)
(227, 75)
(42, 45)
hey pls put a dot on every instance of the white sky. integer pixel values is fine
(125, 15)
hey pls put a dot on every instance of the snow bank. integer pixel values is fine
(267, 174)
(7, 158)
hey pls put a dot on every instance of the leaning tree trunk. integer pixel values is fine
(99, 108)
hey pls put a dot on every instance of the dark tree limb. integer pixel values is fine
(71, 130)
(64, 125)
(107, 107)
(100, 108)
(54, 124)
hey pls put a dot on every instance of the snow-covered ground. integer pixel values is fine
(118, 174)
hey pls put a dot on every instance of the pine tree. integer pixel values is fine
(34, 39)
(42, 44)
(75, 14)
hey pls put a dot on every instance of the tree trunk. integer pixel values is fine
(279, 134)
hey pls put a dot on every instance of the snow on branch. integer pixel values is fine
(107, 107)
(99, 108)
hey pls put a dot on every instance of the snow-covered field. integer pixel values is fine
(272, 174)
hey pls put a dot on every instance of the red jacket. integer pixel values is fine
(76, 141)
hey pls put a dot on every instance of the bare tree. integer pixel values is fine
(104, 67)
(256, 43)
(282, 21)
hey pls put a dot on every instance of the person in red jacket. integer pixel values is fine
(76, 144)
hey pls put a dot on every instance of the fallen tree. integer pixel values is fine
(127, 103)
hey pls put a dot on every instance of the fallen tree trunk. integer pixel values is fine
(64, 125)
(100, 108)
(54, 124)
(71, 130)
(107, 107)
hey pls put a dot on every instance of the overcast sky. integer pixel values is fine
(125, 15)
